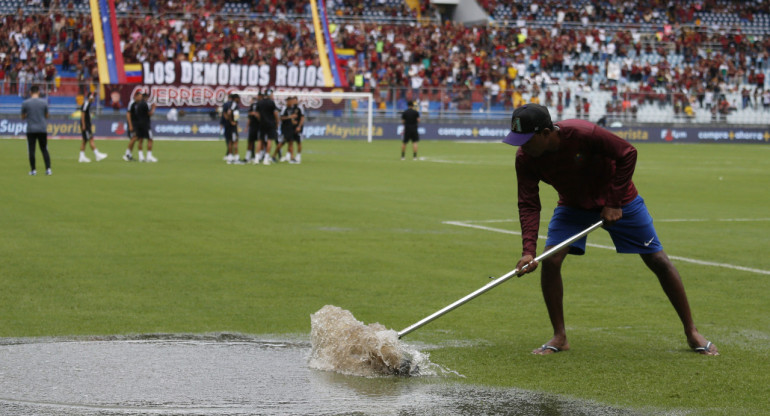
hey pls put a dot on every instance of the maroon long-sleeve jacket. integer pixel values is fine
(591, 169)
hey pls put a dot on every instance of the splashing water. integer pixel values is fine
(344, 344)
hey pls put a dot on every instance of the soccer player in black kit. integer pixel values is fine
(268, 126)
(86, 131)
(292, 120)
(253, 127)
(410, 118)
(230, 123)
(130, 121)
(138, 118)
(142, 126)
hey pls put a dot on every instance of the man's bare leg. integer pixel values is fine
(669, 279)
(553, 294)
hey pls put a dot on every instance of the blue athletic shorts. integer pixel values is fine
(634, 233)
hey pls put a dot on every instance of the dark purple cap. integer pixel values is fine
(526, 121)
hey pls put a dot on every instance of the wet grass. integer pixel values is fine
(193, 245)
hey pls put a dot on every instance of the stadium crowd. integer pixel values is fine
(678, 62)
(621, 11)
(32, 45)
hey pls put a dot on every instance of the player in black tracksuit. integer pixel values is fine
(138, 120)
(86, 131)
(411, 119)
(292, 121)
(268, 125)
(130, 121)
(143, 112)
(253, 126)
(230, 124)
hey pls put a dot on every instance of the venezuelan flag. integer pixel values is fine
(326, 52)
(133, 73)
(346, 53)
(338, 80)
(321, 45)
(109, 58)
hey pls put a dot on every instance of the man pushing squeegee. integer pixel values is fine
(591, 169)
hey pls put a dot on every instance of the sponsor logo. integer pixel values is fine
(489, 132)
(713, 135)
(670, 135)
(484, 132)
(118, 127)
(400, 130)
(342, 132)
(62, 128)
(188, 129)
(647, 243)
(314, 131)
(455, 131)
(13, 128)
(173, 128)
(749, 135)
(207, 128)
(71, 128)
(632, 135)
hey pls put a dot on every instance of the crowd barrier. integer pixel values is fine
(749, 108)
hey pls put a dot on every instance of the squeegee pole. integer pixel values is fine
(500, 280)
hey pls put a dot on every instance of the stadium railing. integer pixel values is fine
(477, 104)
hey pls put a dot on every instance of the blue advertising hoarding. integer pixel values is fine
(340, 129)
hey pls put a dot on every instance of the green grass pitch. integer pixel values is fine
(192, 245)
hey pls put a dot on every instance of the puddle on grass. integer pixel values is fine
(231, 374)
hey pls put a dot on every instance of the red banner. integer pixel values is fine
(118, 96)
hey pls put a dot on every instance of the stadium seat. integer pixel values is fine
(10, 101)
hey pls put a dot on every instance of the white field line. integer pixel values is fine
(657, 220)
(455, 162)
(716, 220)
(468, 224)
